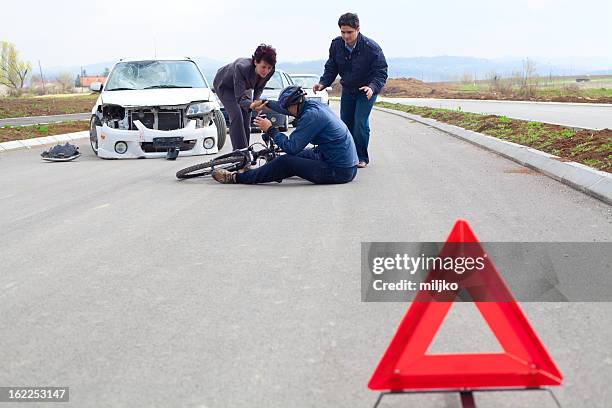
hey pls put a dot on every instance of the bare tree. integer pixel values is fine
(13, 72)
(493, 79)
(500, 85)
(467, 78)
(529, 76)
(36, 84)
(35, 79)
(66, 81)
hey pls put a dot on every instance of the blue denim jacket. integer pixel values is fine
(320, 126)
(366, 65)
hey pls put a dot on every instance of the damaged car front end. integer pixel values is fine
(156, 108)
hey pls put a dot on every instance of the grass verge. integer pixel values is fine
(590, 147)
(9, 133)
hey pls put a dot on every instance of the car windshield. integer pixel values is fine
(275, 82)
(305, 81)
(155, 74)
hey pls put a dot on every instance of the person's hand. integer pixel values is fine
(317, 87)
(258, 105)
(262, 123)
(368, 91)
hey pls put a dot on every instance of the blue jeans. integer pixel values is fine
(355, 111)
(307, 165)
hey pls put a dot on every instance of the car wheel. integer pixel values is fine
(219, 120)
(285, 126)
(93, 133)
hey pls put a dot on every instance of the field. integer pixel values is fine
(555, 89)
(543, 88)
(46, 105)
(9, 133)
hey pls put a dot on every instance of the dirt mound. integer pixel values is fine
(592, 145)
(407, 87)
(579, 99)
(488, 122)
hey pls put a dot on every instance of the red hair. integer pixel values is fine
(265, 52)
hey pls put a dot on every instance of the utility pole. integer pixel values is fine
(550, 81)
(42, 78)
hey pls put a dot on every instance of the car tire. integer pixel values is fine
(93, 133)
(285, 126)
(219, 120)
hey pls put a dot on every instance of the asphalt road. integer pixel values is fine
(581, 115)
(135, 289)
(39, 120)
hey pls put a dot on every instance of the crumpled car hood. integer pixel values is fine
(157, 97)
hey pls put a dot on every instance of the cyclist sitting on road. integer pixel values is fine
(333, 160)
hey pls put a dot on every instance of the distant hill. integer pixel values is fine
(428, 69)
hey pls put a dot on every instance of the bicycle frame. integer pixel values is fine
(251, 156)
(234, 161)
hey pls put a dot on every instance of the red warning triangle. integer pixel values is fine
(525, 363)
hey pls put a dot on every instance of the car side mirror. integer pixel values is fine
(328, 89)
(96, 87)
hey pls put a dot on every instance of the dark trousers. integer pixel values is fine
(307, 165)
(355, 111)
(239, 118)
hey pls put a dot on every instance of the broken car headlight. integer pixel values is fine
(200, 109)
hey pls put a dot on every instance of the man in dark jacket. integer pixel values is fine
(333, 160)
(362, 67)
(233, 83)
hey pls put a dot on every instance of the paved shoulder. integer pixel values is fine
(580, 115)
(241, 296)
(35, 120)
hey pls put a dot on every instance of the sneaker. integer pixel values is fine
(361, 165)
(59, 152)
(224, 176)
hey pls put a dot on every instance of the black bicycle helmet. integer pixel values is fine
(291, 95)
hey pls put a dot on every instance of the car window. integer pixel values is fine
(155, 74)
(275, 82)
(305, 81)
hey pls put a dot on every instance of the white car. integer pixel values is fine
(272, 90)
(307, 81)
(154, 108)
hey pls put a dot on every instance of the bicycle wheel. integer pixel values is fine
(230, 163)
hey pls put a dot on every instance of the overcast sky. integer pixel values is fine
(65, 32)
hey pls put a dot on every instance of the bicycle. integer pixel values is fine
(234, 161)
